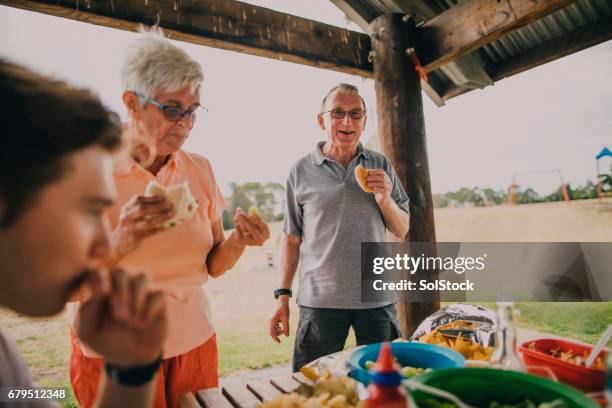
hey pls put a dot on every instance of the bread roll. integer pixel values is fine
(361, 173)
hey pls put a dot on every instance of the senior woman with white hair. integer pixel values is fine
(162, 94)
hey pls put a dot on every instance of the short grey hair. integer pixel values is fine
(153, 64)
(346, 89)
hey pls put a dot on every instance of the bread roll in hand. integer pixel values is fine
(361, 174)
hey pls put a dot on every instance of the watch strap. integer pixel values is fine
(133, 376)
(282, 291)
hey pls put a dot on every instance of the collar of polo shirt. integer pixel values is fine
(319, 157)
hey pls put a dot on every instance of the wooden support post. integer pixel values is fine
(401, 135)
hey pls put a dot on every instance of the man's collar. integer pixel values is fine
(318, 157)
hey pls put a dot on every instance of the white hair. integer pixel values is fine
(153, 64)
(343, 89)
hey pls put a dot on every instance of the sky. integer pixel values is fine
(262, 112)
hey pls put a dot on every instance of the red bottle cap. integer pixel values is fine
(386, 363)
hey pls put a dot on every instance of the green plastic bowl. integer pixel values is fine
(479, 386)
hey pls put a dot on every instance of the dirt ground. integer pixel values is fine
(577, 221)
(243, 297)
(250, 284)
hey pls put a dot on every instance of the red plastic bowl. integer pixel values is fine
(585, 379)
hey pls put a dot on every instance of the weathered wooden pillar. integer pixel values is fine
(401, 136)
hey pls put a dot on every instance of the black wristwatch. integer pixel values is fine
(279, 292)
(133, 376)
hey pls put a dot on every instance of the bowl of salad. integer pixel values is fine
(492, 388)
(413, 359)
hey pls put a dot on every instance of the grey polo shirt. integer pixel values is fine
(330, 212)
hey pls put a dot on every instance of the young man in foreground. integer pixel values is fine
(55, 183)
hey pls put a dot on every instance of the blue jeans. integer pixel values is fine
(324, 331)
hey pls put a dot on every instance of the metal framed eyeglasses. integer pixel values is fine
(172, 113)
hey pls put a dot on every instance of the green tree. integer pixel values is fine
(527, 196)
(494, 197)
(606, 181)
(440, 201)
(268, 198)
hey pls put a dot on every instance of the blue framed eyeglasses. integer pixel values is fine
(172, 113)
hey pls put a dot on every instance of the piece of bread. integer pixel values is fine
(181, 198)
(361, 173)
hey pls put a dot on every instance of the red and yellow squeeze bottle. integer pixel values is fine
(385, 390)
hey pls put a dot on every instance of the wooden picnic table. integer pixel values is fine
(247, 395)
(251, 392)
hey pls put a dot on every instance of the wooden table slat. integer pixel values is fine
(240, 396)
(188, 400)
(263, 390)
(212, 398)
(285, 384)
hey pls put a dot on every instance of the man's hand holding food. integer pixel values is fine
(378, 180)
(123, 320)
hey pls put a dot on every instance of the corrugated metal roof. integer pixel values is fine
(573, 17)
(570, 18)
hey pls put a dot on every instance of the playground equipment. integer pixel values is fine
(605, 152)
(513, 187)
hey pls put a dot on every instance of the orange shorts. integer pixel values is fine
(189, 372)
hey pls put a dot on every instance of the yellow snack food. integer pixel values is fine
(469, 349)
(310, 373)
(336, 386)
(327, 391)
(463, 346)
(253, 211)
(361, 173)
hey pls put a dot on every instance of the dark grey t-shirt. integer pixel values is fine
(330, 212)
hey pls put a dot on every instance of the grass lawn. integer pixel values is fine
(581, 321)
(252, 348)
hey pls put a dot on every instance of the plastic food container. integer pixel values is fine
(481, 386)
(585, 379)
(407, 354)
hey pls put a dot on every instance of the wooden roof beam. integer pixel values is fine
(225, 24)
(471, 24)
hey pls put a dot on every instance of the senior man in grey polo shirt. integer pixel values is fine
(327, 217)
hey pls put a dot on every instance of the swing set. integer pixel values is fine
(605, 152)
(513, 187)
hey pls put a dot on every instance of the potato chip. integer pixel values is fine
(468, 348)
(310, 372)
(328, 391)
